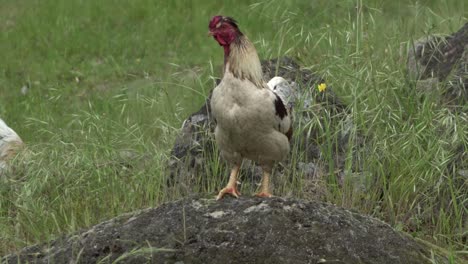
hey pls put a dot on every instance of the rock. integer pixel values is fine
(418, 63)
(428, 86)
(195, 146)
(444, 59)
(197, 230)
(440, 67)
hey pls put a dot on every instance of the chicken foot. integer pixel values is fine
(231, 187)
(265, 185)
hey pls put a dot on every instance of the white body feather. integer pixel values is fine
(247, 123)
(285, 90)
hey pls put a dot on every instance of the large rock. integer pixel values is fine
(441, 63)
(234, 231)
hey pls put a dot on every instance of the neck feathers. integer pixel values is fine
(241, 59)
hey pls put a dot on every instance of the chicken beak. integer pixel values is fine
(210, 33)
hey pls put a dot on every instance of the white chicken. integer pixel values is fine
(10, 142)
(252, 122)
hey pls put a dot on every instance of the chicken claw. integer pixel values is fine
(265, 185)
(264, 195)
(228, 190)
(231, 187)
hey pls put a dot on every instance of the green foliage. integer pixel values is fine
(109, 84)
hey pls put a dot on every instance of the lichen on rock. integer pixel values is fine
(245, 230)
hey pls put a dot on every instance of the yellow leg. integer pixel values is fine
(265, 185)
(231, 187)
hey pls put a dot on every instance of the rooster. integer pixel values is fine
(10, 143)
(252, 122)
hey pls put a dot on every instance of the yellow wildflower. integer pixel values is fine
(322, 87)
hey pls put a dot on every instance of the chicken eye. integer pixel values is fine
(218, 25)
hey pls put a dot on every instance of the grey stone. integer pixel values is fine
(254, 230)
(439, 65)
(445, 59)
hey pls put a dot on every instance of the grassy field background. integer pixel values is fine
(89, 84)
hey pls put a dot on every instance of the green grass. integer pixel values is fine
(110, 84)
